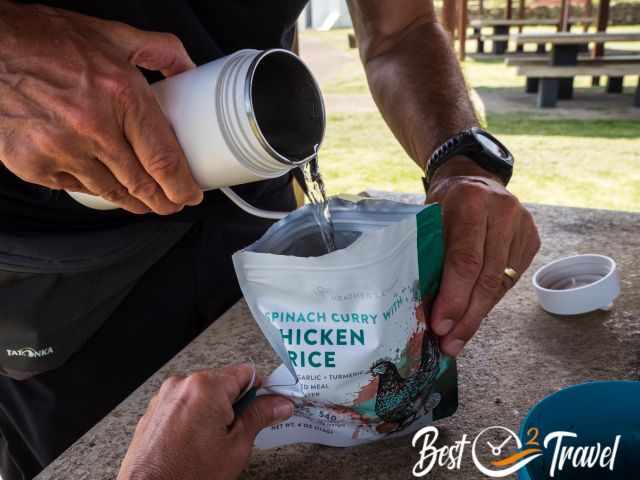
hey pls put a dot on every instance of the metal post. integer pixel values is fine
(521, 15)
(500, 46)
(463, 20)
(548, 93)
(588, 12)
(449, 16)
(601, 26)
(477, 31)
(603, 20)
(533, 84)
(564, 15)
(565, 55)
(614, 85)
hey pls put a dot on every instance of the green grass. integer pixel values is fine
(516, 124)
(360, 152)
(572, 162)
(594, 164)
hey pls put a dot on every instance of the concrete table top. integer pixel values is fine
(520, 355)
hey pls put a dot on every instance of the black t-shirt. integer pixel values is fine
(209, 30)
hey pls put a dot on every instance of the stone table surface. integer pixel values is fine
(520, 355)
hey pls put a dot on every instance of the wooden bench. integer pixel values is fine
(501, 28)
(495, 38)
(500, 43)
(570, 38)
(565, 50)
(546, 79)
(518, 60)
(527, 22)
(613, 86)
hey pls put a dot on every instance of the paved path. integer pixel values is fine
(324, 60)
(327, 62)
(587, 104)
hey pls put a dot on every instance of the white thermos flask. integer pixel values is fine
(250, 116)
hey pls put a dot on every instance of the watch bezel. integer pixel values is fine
(504, 154)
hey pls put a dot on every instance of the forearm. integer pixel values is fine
(418, 86)
(415, 79)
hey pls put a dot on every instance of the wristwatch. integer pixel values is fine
(478, 145)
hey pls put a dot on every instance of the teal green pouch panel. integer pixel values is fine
(430, 244)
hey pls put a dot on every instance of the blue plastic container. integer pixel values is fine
(597, 412)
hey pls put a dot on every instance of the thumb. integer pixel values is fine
(265, 411)
(157, 51)
(160, 51)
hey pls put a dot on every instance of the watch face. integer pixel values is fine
(492, 146)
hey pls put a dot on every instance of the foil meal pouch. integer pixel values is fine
(351, 326)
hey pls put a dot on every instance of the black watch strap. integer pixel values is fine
(478, 145)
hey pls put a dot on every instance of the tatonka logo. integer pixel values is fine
(29, 352)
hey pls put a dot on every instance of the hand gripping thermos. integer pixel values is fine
(250, 116)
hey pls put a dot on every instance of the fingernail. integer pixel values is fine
(282, 411)
(443, 327)
(454, 347)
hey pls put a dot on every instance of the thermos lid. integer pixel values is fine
(577, 284)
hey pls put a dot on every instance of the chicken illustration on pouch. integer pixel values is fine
(400, 400)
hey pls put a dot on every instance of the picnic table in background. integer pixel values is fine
(553, 79)
(501, 28)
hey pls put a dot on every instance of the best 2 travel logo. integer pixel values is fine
(507, 453)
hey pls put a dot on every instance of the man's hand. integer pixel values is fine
(76, 113)
(486, 230)
(189, 430)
